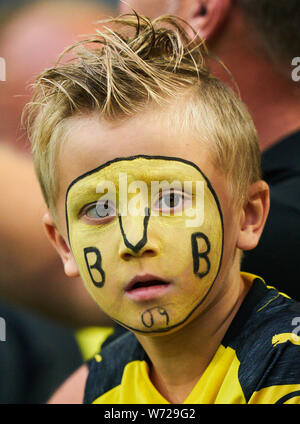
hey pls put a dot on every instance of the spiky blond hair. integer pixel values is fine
(118, 73)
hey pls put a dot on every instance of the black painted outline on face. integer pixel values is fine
(141, 243)
(166, 158)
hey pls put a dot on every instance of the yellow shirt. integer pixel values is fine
(257, 362)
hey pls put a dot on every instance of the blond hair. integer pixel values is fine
(117, 73)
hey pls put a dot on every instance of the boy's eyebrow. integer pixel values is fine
(91, 188)
(99, 183)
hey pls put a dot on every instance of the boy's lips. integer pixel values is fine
(146, 287)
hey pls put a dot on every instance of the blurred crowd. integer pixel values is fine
(45, 313)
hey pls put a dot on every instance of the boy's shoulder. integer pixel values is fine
(264, 311)
(265, 337)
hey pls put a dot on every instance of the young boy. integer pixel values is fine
(151, 171)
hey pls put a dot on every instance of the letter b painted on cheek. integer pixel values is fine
(2, 69)
(200, 255)
(93, 261)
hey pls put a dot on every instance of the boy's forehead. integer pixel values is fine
(139, 168)
(94, 144)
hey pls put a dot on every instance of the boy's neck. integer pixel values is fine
(179, 359)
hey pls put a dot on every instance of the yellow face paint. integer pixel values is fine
(147, 236)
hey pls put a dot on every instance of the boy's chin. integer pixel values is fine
(157, 328)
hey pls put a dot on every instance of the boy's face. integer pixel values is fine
(145, 214)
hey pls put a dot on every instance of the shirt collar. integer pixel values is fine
(256, 293)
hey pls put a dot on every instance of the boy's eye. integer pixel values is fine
(98, 213)
(172, 201)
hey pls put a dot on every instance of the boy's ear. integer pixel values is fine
(61, 246)
(254, 215)
(206, 16)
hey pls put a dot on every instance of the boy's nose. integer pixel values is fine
(135, 237)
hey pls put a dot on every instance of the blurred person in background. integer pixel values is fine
(38, 304)
(28, 37)
(257, 40)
